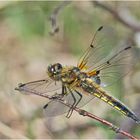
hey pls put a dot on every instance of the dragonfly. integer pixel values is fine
(96, 70)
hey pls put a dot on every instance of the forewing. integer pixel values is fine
(40, 87)
(98, 49)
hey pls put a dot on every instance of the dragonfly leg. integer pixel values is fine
(71, 108)
(74, 104)
(59, 96)
(80, 95)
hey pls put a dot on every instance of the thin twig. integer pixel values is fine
(54, 15)
(107, 123)
(110, 125)
(128, 20)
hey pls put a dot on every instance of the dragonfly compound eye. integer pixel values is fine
(76, 71)
(50, 69)
(57, 67)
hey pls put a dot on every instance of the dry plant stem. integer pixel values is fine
(132, 24)
(54, 15)
(85, 113)
(110, 125)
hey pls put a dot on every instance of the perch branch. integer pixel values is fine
(85, 113)
(110, 125)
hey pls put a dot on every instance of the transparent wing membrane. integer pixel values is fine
(54, 107)
(54, 89)
(104, 58)
(40, 87)
(115, 66)
(97, 50)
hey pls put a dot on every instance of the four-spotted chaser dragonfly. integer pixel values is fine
(77, 85)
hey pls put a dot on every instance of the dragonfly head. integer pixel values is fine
(76, 71)
(54, 71)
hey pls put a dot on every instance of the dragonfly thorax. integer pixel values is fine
(70, 74)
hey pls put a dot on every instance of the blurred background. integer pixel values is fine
(36, 34)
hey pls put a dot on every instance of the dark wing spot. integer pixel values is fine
(127, 48)
(108, 62)
(45, 106)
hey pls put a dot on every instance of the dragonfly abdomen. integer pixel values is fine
(94, 89)
(101, 94)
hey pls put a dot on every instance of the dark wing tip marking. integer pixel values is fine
(129, 47)
(100, 28)
(20, 85)
(45, 106)
(91, 46)
(16, 88)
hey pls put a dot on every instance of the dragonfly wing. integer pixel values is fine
(98, 50)
(55, 107)
(114, 67)
(111, 63)
(40, 87)
(86, 97)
